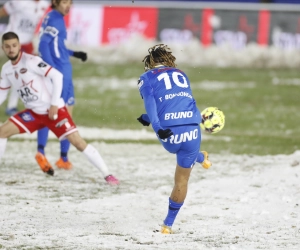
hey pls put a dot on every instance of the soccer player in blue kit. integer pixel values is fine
(175, 118)
(52, 49)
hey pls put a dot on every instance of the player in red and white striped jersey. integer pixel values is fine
(39, 86)
(24, 17)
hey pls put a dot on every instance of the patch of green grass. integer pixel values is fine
(261, 117)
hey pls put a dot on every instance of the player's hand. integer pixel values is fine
(81, 55)
(145, 123)
(164, 133)
(53, 112)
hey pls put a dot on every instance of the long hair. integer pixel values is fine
(159, 53)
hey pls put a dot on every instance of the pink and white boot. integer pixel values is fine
(111, 180)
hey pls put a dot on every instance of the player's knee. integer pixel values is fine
(81, 145)
(77, 141)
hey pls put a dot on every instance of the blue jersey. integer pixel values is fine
(168, 98)
(52, 46)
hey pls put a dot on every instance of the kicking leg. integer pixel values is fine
(202, 158)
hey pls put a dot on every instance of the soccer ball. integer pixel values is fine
(213, 120)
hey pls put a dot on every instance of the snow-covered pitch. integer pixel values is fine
(241, 202)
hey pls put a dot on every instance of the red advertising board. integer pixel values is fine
(207, 29)
(264, 17)
(121, 23)
(93, 25)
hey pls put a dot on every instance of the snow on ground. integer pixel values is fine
(241, 202)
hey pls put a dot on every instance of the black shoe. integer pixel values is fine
(50, 172)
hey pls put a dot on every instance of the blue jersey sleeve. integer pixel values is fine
(150, 104)
(71, 52)
(50, 31)
(45, 53)
(52, 42)
(145, 117)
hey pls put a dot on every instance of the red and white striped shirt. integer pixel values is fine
(38, 84)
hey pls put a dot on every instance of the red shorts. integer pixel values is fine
(28, 121)
(27, 48)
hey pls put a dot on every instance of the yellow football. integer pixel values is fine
(213, 120)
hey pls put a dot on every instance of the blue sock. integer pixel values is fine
(200, 157)
(42, 139)
(64, 148)
(172, 212)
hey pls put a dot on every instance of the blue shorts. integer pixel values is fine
(185, 143)
(68, 91)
